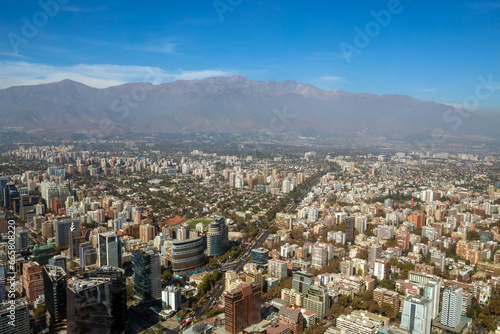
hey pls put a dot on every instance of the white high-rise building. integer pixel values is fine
(452, 306)
(287, 187)
(432, 291)
(171, 296)
(416, 318)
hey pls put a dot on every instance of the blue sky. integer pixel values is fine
(430, 50)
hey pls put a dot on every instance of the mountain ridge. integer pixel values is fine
(229, 104)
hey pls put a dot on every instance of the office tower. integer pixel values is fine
(3, 183)
(147, 274)
(260, 256)
(416, 318)
(349, 228)
(21, 238)
(146, 233)
(374, 252)
(9, 193)
(88, 255)
(54, 287)
(63, 228)
(242, 307)
(452, 306)
(382, 269)
(22, 317)
(75, 238)
(217, 237)
(277, 268)
(183, 232)
(110, 250)
(89, 306)
(432, 291)
(317, 300)
(188, 254)
(58, 261)
(302, 281)
(171, 296)
(42, 254)
(32, 280)
(118, 294)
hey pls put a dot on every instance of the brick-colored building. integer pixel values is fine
(32, 280)
(293, 318)
(242, 307)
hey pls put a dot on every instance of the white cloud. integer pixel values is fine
(16, 73)
(331, 78)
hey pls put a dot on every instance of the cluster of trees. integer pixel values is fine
(208, 281)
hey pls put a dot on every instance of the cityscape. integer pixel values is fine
(161, 171)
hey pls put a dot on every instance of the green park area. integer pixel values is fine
(192, 223)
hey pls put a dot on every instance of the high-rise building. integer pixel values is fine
(110, 250)
(75, 238)
(188, 254)
(21, 238)
(432, 291)
(147, 274)
(217, 237)
(418, 219)
(146, 233)
(171, 296)
(118, 294)
(319, 256)
(58, 261)
(374, 252)
(89, 306)
(54, 284)
(317, 300)
(3, 183)
(183, 232)
(19, 309)
(32, 280)
(277, 268)
(42, 254)
(416, 318)
(88, 255)
(349, 228)
(63, 228)
(242, 307)
(302, 281)
(452, 306)
(382, 269)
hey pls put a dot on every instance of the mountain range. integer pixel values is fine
(232, 105)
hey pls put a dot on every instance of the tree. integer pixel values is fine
(39, 311)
